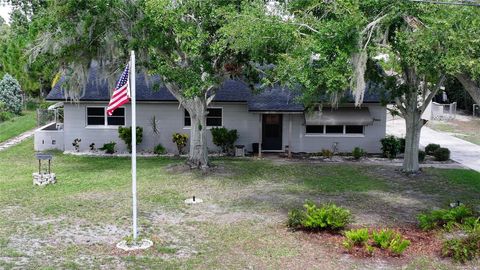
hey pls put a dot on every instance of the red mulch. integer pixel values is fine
(421, 243)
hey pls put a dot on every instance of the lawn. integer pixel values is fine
(465, 130)
(76, 223)
(17, 125)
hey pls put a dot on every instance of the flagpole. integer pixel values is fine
(134, 144)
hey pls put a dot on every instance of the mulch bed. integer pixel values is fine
(421, 243)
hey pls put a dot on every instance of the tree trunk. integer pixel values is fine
(198, 154)
(414, 124)
(472, 87)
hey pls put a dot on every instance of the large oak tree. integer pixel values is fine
(181, 41)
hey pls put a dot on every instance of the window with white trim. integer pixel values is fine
(335, 129)
(214, 117)
(97, 116)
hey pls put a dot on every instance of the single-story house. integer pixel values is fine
(271, 117)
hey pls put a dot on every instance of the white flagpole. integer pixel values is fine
(134, 144)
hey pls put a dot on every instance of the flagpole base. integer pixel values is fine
(141, 245)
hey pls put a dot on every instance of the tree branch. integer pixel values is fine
(399, 103)
(432, 94)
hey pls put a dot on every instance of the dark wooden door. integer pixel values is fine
(272, 132)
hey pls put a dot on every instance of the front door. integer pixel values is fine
(272, 132)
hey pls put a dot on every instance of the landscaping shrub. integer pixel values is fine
(444, 217)
(180, 140)
(356, 237)
(295, 218)
(462, 249)
(159, 150)
(76, 144)
(471, 224)
(358, 153)
(224, 138)
(431, 148)
(5, 116)
(398, 245)
(31, 104)
(442, 154)
(390, 146)
(11, 94)
(383, 238)
(421, 156)
(125, 133)
(326, 153)
(402, 141)
(325, 217)
(109, 148)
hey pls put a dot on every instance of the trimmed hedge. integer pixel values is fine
(442, 154)
(431, 148)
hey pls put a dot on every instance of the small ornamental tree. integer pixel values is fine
(180, 140)
(10, 94)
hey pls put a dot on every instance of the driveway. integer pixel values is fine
(463, 152)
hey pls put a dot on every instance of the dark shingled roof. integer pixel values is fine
(270, 99)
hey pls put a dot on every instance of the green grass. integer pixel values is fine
(78, 220)
(17, 125)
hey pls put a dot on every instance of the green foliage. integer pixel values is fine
(421, 156)
(431, 148)
(159, 150)
(382, 238)
(125, 133)
(14, 42)
(326, 217)
(398, 245)
(390, 146)
(109, 148)
(327, 153)
(180, 140)
(356, 237)
(444, 217)
(358, 153)
(402, 142)
(224, 138)
(10, 94)
(391, 240)
(295, 218)
(385, 239)
(462, 249)
(4, 114)
(471, 224)
(309, 43)
(442, 154)
(76, 144)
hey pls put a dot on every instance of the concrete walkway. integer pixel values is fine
(16, 140)
(463, 152)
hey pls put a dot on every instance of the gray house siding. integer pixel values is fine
(170, 119)
(369, 141)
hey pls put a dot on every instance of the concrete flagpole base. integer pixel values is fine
(193, 200)
(141, 245)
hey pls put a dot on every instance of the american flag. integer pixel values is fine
(121, 93)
